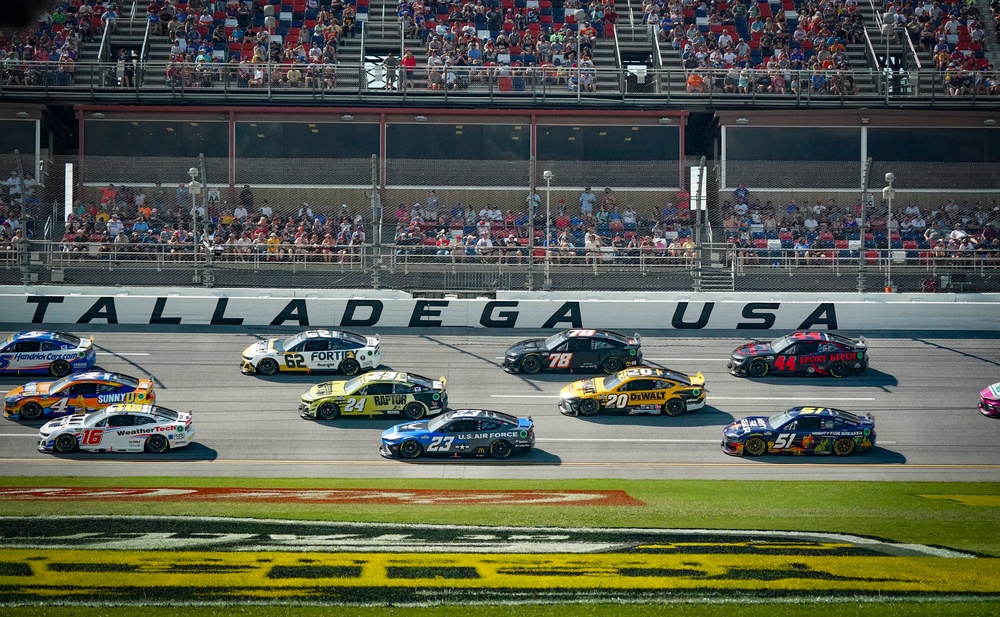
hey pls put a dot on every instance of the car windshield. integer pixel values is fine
(554, 340)
(436, 423)
(66, 339)
(59, 384)
(781, 343)
(8, 340)
(779, 419)
(352, 384)
(292, 341)
(612, 381)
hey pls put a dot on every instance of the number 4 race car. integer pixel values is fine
(118, 428)
(313, 350)
(586, 350)
(76, 394)
(635, 390)
(463, 432)
(37, 351)
(376, 393)
(811, 353)
(801, 430)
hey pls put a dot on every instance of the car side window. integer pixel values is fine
(564, 346)
(106, 387)
(829, 348)
(337, 345)
(464, 426)
(103, 422)
(144, 420)
(580, 344)
(601, 345)
(116, 421)
(316, 345)
(402, 388)
(660, 384)
(50, 346)
(380, 388)
(637, 385)
(791, 350)
(81, 389)
(806, 348)
(808, 424)
(27, 346)
(489, 425)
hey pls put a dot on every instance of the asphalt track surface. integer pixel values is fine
(922, 391)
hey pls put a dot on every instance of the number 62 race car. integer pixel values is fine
(313, 350)
(118, 428)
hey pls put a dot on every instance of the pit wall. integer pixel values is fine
(64, 307)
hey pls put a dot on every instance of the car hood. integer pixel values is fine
(991, 393)
(754, 348)
(64, 422)
(327, 388)
(746, 426)
(261, 347)
(531, 344)
(584, 387)
(407, 428)
(32, 388)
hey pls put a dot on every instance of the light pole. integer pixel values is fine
(888, 194)
(548, 223)
(194, 187)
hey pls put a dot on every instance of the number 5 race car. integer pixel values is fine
(801, 430)
(635, 390)
(55, 353)
(376, 393)
(463, 432)
(313, 350)
(810, 353)
(587, 350)
(76, 394)
(118, 428)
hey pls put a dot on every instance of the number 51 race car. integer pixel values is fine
(313, 350)
(801, 430)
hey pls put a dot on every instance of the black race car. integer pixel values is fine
(809, 353)
(574, 350)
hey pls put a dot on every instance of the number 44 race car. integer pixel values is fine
(809, 353)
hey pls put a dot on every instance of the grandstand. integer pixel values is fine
(345, 114)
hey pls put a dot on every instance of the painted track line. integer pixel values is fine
(741, 464)
(121, 353)
(804, 397)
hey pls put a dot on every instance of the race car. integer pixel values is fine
(635, 390)
(313, 350)
(78, 393)
(801, 430)
(118, 428)
(463, 432)
(44, 351)
(583, 350)
(809, 353)
(989, 403)
(376, 393)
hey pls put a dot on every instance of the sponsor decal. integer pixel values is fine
(121, 397)
(212, 560)
(389, 399)
(49, 356)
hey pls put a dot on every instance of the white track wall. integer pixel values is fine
(66, 306)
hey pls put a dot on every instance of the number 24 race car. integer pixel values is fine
(809, 353)
(377, 393)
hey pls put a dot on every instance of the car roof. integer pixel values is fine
(384, 376)
(597, 333)
(44, 335)
(822, 336)
(102, 376)
(124, 408)
(664, 373)
(827, 412)
(331, 333)
(483, 413)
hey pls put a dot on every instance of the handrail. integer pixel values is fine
(913, 50)
(870, 49)
(104, 51)
(135, 9)
(140, 72)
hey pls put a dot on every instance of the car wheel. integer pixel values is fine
(611, 365)
(839, 369)
(844, 447)
(755, 446)
(758, 368)
(589, 407)
(328, 411)
(864, 367)
(60, 368)
(31, 412)
(65, 443)
(410, 448)
(674, 407)
(531, 365)
(350, 367)
(267, 366)
(157, 444)
(414, 411)
(500, 449)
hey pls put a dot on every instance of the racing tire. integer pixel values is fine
(267, 366)
(500, 449)
(60, 368)
(414, 411)
(531, 364)
(411, 449)
(839, 369)
(844, 447)
(65, 443)
(755, 446)
(31, 412)
(758, 368)
(589, 407)
(328, 411)
(864, 367)
(157, 444)
(675, 407)
(611, 365)
(349, 367)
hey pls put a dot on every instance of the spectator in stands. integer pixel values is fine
(587, 201)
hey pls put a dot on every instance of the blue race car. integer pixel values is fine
(43, 351)
(801, 430)
(463, 432)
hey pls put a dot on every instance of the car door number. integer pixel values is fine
(617, 400)
(295, 360)
(60, 405)
(92, 437)
(784, 440)
(355, 405)
(440, 444)
(560, 360)
(785, 363)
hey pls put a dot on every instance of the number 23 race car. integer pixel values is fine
(808, 353)
(463, 432)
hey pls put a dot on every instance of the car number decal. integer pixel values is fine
(560, 360)
(617, 401)
(440, 444)
(295, 361)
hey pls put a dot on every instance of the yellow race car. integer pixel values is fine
(377, 393)
(635, 390)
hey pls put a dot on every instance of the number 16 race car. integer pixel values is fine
(118, 428)
(809, 353)
(585, 350)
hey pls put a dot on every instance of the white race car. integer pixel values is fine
(313, 350)
(118, 428)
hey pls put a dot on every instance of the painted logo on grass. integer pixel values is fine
(339, 496)
(207, 560)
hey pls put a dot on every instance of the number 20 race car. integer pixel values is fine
(76, 394)
(118, 428)
(809, 353)
(801, 430)
(635, 390)
(55, 353)
(463, 432)
(313, 350)
(585, 350)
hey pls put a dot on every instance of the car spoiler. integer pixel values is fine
(862, 341)
(443, 381)
(638, 338)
